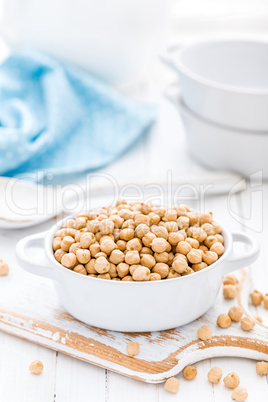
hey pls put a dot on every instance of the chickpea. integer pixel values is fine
(171, 257)
(224, 321)
(193, 242)
(199, 266)
(101, 254)
(93, 226)
(70, 232)
(133, 267)
(122, 245)
(188, 271)
(94, 249)
(258, 318)
(231, 380)
(66, 243)
(265, 301)
(184, 247)
(172, 385)
(161, 257)
(235, 313)
(175, 237)
(161, 269)
(209, 257)
(104, 276)
(134, 244)
(147, 260)
(80, 269)
(217, 228)
(219, 238)
(217, 248)
(87, 239)
(210, 240)
(170, 215)
(208, 228)
(195, 256)
(154, 277)
(204, 333)
(80, 223)
(36, 367)
(141, 274)
(183, 222)
(205, 218)
(173, 274)
(171, 226)
(58, 255)
(247, 323)
(239, 394)
(56, 244)
(74, 247)
(69, 260)
(107, 245)
(214, 375)
(230, 280)
(60, 233)
(120, 201)
(229, 291)
(190, 372)
(102, 266)
(142, 230)
(160, 231)
(199, 234)
(154, 219)
(203, 248)
(116, 257)
(4, 268)
(179, 265)
(146, 250)
(127, 234)
(125, 213)
(117, 220)
(256, 297)
(129, 224)
(127, 278)
(262, 368)
(92, 215)
(159, 245)
(113, 271)
(132, 257)
(106, 226)
(90, 266)
(83, 256)
(133, 348)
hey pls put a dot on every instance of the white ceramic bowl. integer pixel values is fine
(219, 147)
(135, 306)
(225, 81)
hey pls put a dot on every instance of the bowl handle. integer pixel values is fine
(241, 260)
(43, 266)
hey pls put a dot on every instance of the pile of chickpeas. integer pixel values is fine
(138, 242)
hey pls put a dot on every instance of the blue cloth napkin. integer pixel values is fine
(56, 118)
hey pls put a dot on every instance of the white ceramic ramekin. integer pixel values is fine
(225, 81)
(220, 147)
(135, 306)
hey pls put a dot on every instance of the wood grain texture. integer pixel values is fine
(163, 354)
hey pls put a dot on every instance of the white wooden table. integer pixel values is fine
(65, 379)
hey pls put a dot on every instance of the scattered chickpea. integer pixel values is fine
(235, 313)
(256, 297)
(224, 321)
(204, 333)
(229, 291)
(230, 280)
(214, 375)
(4, 268)
(262, 368)
(265, 301)
(247, 323)
(231, 380)
(36, 367)
(258, 318)
(172, 385)
(239, 394)
(190, 372)
(133, 348)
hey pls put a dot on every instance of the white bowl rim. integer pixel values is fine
(49, 252)
(186, 109)
(214, 84)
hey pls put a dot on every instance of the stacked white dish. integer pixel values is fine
(224, 103)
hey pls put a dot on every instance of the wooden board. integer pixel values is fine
(32, 311)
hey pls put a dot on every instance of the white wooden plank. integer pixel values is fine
(78, 381)
(122, 389)
(17, 383)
